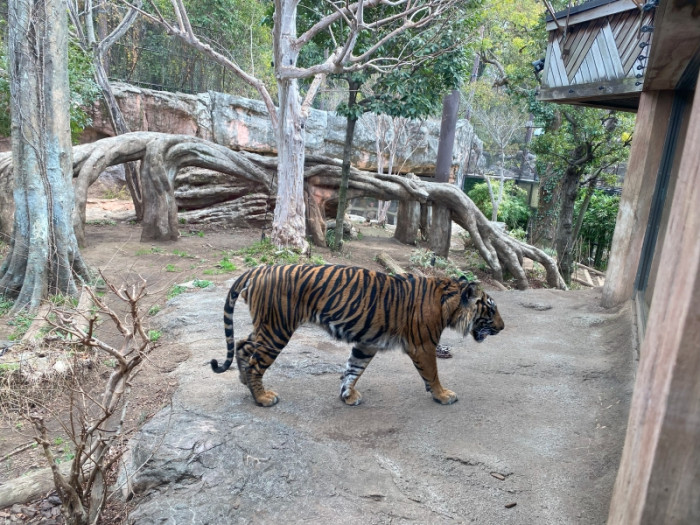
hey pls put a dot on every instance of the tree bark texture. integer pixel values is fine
(408, 219)
(500, 251)
(345, 171)
(441, 226)
(564, 241)
(289, 223)
(44, 256)
(323, 174)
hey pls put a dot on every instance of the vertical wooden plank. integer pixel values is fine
(558, 66)
(584, 46)
(597, 61)
(658, 481)
(608, 40)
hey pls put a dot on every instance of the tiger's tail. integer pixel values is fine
(233, 294)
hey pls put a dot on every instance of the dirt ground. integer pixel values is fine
(551, 449)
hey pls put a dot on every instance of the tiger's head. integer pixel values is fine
(477, 312)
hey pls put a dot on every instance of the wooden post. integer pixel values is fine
(659, 481)
(637, 193)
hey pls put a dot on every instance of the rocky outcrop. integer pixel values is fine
(243, 124)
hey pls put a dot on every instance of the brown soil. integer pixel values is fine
(115, 249)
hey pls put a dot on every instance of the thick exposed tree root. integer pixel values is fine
(162, 155)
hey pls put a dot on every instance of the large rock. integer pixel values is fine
(241, 123)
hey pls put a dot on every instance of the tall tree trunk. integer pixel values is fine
(131, 169)
(583, 209)
(544, 221)
(353, 87)
(564, 243)
(529, 131)
(441, 225)
(44, 256)
(289, 223)
(99, 46)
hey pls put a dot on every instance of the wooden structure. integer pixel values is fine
(597, 52)
(655, 257)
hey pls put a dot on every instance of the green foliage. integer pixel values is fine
(153, 310)
(514, 209)
(264, 252)
(154, 335)
(175, 291)
(427, 259)
(599, 220)
(411, 89)
(21, 322)
(83, 90)
(575, 132)
(147, 55)
(5, 305)
(121, 194)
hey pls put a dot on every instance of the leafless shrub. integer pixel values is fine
(90, 387)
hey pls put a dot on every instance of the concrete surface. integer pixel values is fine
(535, 438)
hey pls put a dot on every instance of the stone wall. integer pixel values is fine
(241, 123)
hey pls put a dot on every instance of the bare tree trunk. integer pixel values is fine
(44, 256)
(441, 224)
(345, 173)
(289, 223)
(98, 47)
(564, 243)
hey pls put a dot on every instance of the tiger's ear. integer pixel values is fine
(469, 291)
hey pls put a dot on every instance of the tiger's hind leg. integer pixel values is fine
(259, 358)
(357, 363)
(244, 349)
(425, 361)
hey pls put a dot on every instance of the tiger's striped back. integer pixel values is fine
(373, 310)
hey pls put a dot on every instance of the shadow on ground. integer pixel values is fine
(536, 436)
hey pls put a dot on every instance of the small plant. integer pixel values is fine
(226, 265)
(151, 250)
(5, 305)
(101, 222)
(154, 335)
(182, 253)
(427, 259)
(121, 194)
(182, 220)
(21, 322)
(267, 253)
(317, 260)
(171, 268)
(201, 283)
(153, 310)
(518, 233)
(175, 291)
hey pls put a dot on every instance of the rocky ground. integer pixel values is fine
(535, 438)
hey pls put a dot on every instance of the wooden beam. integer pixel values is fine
(658, 481)
(594, 90)
(591, 14)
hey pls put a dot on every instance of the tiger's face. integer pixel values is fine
(477, 313)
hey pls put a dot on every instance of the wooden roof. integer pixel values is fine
(596, 54)
(603, 53)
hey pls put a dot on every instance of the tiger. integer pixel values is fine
(372, 310)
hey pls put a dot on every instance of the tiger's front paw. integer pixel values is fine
(267, 398)
(351, 396)
(446, 397)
